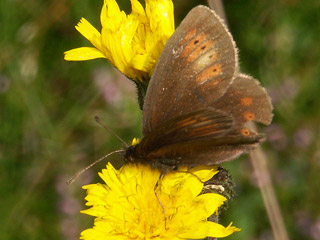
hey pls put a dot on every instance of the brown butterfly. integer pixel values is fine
(197, 103)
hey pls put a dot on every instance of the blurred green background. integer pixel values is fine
(47, 109)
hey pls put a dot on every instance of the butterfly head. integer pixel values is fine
(129, 154)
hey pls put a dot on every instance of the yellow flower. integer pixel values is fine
(126, 207)
(132, 43)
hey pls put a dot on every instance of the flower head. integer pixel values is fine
(132, 43)
(127, 207)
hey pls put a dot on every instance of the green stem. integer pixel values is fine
(142, 86)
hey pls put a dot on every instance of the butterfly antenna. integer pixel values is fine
(74, 177)
(110, 131)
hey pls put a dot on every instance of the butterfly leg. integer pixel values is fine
(163, 209)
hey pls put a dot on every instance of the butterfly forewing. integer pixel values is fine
(198, 62)
(209, 151)
(202, 124)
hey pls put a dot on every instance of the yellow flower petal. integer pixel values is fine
(180, 182)
(82, 54)
(110, 8)
(219, 231)
(137, 9)
(209, 229)
(205, 173)
(89, 32)
(140, 62)
(194, 232)
(211, 202)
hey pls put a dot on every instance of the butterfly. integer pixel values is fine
(198, 103)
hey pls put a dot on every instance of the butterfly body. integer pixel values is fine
(197, 103)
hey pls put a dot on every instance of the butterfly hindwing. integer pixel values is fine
(246, 101)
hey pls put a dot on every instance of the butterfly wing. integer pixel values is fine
(208, 136)
(245, 100)
(201, 124)
(212, 135)
(198, 61)
(209, 151)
